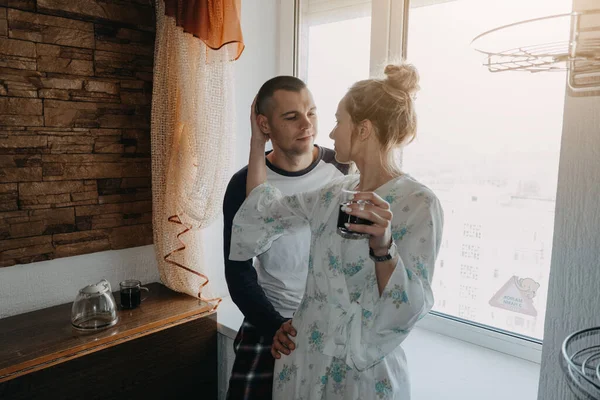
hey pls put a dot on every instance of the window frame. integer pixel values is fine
(389, 42)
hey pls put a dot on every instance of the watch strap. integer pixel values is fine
(390, 254)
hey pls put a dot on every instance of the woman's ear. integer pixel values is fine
(365, 129)
(263, 124)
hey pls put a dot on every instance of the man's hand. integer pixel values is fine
(282, 344)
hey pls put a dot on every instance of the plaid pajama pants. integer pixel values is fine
(252, 372)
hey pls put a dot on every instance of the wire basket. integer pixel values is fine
(580, 361)
(555, 43)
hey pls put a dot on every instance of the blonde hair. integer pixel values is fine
(388, 104)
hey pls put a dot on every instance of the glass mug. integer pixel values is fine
(131, 294)
(344, 218)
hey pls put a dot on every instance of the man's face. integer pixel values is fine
(291, 122)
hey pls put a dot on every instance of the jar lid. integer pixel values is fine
(99, 287)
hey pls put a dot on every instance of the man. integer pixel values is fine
(269, 291)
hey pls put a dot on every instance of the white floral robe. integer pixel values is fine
(348, 342)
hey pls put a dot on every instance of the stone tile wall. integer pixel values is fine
(75, 91)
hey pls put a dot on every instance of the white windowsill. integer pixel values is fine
(442, 366)
(229, 320)
(482, 337)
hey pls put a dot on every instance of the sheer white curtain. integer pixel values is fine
(192, 141)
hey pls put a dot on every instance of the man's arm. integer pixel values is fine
(242, 279)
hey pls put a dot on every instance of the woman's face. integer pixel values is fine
(342, 134)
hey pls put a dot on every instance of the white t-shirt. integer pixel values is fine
(282, 270)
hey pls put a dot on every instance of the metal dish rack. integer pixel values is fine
(580, 361)
(576, 50)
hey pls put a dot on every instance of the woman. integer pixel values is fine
(362, 296)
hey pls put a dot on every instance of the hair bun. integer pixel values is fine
(402, 77)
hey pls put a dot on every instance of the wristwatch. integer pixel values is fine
(392, 251)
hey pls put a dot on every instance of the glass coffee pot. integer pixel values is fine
(94, 307)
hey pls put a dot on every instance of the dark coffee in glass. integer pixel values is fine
(131, 294)
(131, 298)
(345, 218)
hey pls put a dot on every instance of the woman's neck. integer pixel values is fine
(373, 174)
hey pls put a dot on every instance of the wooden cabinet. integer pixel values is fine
(164, 349)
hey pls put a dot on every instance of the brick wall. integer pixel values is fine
(75, 89)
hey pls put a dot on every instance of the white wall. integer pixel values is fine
(573, 295)
(256, 65)
(28, 287)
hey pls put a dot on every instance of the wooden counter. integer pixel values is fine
(165, 348)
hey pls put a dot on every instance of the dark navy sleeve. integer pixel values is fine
(242, 279)
(329, 157)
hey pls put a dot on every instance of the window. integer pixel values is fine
(469, 272)
(334, 50)
(472, 230)
(470, 251)
(467, 312)
(468, 292)
(488, 144)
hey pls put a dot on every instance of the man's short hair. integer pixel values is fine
(265, 94)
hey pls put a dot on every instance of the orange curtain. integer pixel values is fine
(215, 22)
